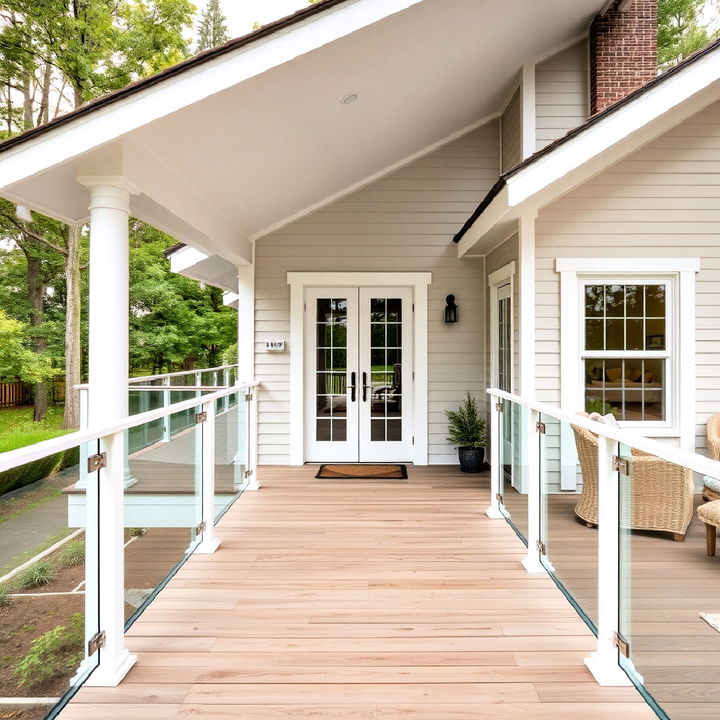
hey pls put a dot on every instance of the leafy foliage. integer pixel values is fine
(681, 29)
(53, 654)
(36, 575)
(212, 30)
(598, 405)
(72, 554)
(17, 361)
(466, 428)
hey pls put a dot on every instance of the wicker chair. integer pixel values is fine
(662, 493)
(713, 443)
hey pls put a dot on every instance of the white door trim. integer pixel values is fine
(298, 281)
(496, 280)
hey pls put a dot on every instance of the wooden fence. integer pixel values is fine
(16, 394)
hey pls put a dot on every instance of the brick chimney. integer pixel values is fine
(623, 51)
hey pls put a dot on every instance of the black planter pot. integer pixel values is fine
(471, 459)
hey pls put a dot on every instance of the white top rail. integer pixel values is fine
(14, 458)
(693, 461)
(148, 378)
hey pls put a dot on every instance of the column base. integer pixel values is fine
(111, 674)
(533, 566)
(208, 548)
(493, 513)
(129, 480)
(606, 671)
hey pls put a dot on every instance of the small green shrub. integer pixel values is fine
(37, 574)
(72, 554)
(4, 596)
(27, 474)
(70, 458)
(466, 429)
(57, 652)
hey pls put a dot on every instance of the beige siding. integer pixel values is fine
(561, 87)
(511, 125)
(498, 258)
(404, 222)
(662, 201)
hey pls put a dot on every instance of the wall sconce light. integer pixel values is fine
(451, 310)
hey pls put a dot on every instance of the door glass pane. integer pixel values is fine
(386, 316)
(331, 370)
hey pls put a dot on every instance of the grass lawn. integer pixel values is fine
(17, 428)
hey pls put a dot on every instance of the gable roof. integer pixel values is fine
(174, 70)
(585, 131)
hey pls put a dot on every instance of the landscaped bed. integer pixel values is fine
(28, 613)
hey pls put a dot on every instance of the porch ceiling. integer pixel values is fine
(225, 169)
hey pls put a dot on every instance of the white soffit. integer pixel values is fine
(242, 145)
(209, 269)
(594, 149)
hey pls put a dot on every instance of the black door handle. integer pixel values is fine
(365, 387)
(352, 387)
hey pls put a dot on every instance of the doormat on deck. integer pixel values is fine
(362, 472)
(712, 619)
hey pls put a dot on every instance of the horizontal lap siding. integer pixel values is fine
(404, 222)
(662, 201)
(561, 87)
(511, 124)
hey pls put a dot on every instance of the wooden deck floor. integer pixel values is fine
(360, 599)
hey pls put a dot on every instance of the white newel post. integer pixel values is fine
(252, 419)
(603, 663)
(209, 543)
(496, 459)
(166, 403)
(532, 433)
(108, 402)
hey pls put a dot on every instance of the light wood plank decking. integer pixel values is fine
(360, 599)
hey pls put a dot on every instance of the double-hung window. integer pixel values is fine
(627, 347)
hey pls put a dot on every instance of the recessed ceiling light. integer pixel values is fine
(350, 98)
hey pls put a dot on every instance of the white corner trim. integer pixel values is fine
(630, 266)
(526, 254)
(298, 282)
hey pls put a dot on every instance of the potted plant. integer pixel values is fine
(467, 430)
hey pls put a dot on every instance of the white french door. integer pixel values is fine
(359, 378)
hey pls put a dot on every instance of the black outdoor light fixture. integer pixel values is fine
(451, 310)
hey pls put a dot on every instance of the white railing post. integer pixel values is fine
(209, 543)
(531, 432)
(603, 663)
(252, 420)
(115, 659)
(198, 383)
(166, 403)
(496, 460)
(226, 383)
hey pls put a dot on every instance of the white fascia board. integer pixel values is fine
(616, 127)
(187, 88)
(185, 258)
(599, 146)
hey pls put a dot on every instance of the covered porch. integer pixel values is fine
(360, 599)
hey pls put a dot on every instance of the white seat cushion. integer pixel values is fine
(712, 483)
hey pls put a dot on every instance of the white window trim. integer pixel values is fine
(573, 272)
(496, 280)
(298, 281)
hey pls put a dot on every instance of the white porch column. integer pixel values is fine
(496, 458)
(108, 401)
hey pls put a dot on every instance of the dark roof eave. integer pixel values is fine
(173, 249)
(500, 184)
(172, 71)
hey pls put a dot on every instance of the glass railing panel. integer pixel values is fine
(231, 436)
(669, 612)
(48, 581)
(163, 512)
(513, 474)
(568, 512)
(141, 401)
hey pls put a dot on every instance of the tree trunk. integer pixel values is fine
(73, 353)
(36, 295)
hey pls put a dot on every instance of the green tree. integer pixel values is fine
(174, 321)
(212, 30)
(681, 29)
(17, 360)
(56, 55)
